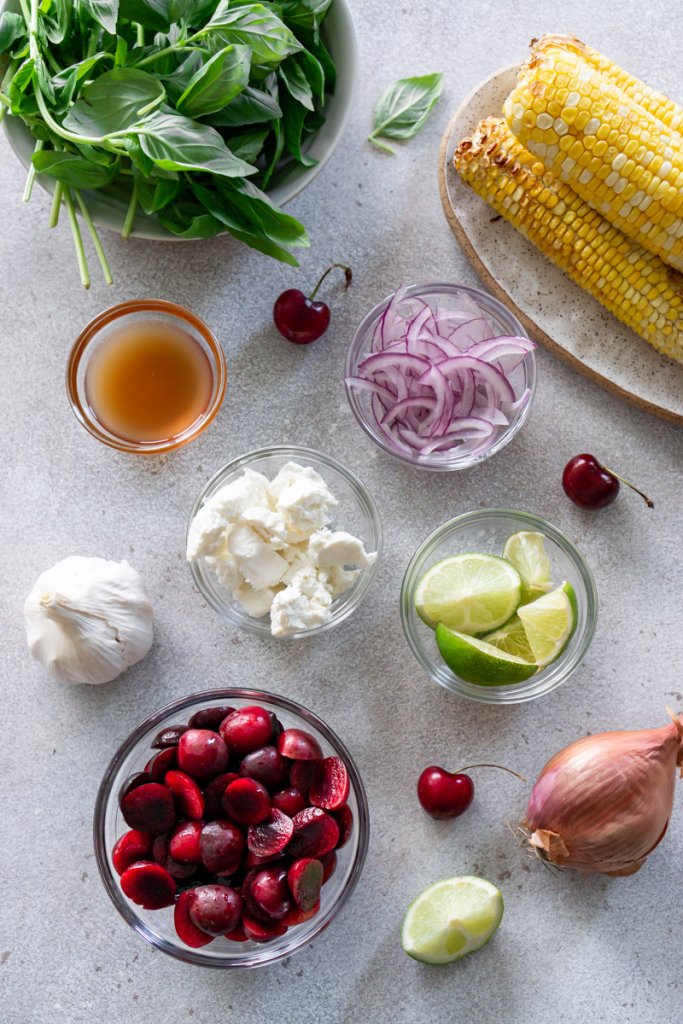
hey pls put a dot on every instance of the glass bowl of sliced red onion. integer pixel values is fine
(440, 376)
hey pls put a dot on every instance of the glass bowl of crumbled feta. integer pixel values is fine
(284, 541)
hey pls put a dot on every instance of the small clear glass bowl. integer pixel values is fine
(356, 513)
(474, 303)
(134, 312)
(487, 531)
(156, 926)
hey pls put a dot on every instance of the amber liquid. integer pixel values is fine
(149, 381)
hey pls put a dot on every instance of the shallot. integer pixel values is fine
(603, 803)
(439, 378)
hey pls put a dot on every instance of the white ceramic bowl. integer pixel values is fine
(340, 37)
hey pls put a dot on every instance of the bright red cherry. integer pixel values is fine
(590, 485)
(444, 794)
(298, 317)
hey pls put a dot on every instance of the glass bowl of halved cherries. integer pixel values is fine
(230, 828)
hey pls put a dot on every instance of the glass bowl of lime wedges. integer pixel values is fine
(498, 606)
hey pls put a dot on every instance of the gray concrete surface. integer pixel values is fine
(569, 949)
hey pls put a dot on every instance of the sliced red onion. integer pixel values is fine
(438, 379)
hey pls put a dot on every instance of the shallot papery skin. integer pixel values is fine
(603, 803)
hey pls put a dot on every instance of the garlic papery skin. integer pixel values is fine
(88, 619)
(604, 802)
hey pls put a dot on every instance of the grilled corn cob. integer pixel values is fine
(619, 157)
(628, 280)
(656, 103)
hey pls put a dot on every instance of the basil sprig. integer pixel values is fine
(186, 109)
(404, 108)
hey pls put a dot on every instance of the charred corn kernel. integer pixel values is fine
(631, 282)
(656, 103)
(618, 127)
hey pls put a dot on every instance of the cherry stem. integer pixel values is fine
(348, 275)
(502, 768)
(648, 501)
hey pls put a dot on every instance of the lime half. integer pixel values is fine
(450, 919)
(477, 661)
(512, 639)
(526, 551)
(470, 593)
(549, 622)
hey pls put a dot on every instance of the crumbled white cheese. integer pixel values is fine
(338, 548)
(256, 560)
(208, 533)
(303, 499)
(269, 545)
(304, 604)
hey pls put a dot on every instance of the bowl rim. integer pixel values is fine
(428, 288)
(260, 627)
(517, 693)
(110, 216)
(89, 334)
(105, 794)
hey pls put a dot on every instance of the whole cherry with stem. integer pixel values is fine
(590, 485)
(445, 794)
(300, 318)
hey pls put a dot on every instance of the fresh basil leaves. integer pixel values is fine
(404, 108)
(189, 108)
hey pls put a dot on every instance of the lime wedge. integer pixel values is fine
(526, 551)
(477, 661)
(470, 593)
(512, 639)
(450, 919)
(549, 622)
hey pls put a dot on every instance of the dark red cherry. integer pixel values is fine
(444, 794)
(590, 485)
(298, 317)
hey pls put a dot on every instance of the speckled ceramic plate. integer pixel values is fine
(553, 309)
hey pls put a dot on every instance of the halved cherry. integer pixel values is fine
(213, 794)
(168, 736)
(297, 916)
(238, 934)
(315, 833)
(132, 846)
(301, 775)
(187, 795)
(161, 763)
(262, 931)
(268, 889)
(329, 863)
(148, 884)
(175, 868)
(272, 835)
(187, 930)
(246, 801)
(344, 818)
(183, 844)
(149, 808)
(290, 801)
(304, 878)
(253, 860)
(267, 766)
(209, 718)
(330, 786)
(132, 782)
(221, 845)
(202, 753)
(246, 729)
(299, 745)
(216, 909)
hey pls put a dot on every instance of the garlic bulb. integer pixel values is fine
(604, 802)
(88, 619)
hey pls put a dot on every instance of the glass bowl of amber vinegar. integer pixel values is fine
(146, 376)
